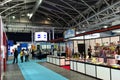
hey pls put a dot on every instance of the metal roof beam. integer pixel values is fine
(35, 8)
(14, 6)
(75, 10)
(109, 5)
(117, 3)
(104, 22)
(49, 16)
(48, 9)
(10, 8)
(76, 2)
(87, 10)
(54, 5)
(91, 9)
(63, 6)
(10, 13)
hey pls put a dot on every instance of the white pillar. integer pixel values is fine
(32, 36)
(53, 33)
(49, 35)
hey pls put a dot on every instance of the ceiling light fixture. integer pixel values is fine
(22, 15)
(48, 18)
(105, 26)
(30, 15)
(13, 17)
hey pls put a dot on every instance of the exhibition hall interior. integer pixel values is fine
(59, 39)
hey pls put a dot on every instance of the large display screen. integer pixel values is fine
(40, 36)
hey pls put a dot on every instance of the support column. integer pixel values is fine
(49, 35)
(53, 34)
(32, 36)
(84, 51)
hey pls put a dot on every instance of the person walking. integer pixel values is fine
(15, 56)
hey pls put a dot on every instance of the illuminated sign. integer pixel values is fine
(40, 36)
(96, 35)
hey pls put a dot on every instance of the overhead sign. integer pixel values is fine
(96, 35)
(40, 36)
(69, 33)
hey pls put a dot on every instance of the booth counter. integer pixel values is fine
(97, 70)
(58, 60)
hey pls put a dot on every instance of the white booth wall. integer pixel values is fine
(92, 42)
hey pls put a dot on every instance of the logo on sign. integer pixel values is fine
(44, 36)
(39, 36)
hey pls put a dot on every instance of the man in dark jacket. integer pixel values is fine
(15, 56)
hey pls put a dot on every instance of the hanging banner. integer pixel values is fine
(69, 33)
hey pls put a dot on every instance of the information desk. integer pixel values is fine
(60, 61)
(99, 71)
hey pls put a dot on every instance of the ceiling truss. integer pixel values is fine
(79, 14)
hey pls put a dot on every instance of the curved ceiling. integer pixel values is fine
(59, 15)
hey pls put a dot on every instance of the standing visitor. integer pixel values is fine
(89, 52)
(105, 51)
(15, 56)
(21, 55)
(26, 54)
(33, 54)
(118, 51)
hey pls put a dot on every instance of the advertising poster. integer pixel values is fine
(62, 47)
(69, 33)
(69, 48)
(10, 44)
(56, 46)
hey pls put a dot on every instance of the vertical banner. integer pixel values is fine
(69, 48)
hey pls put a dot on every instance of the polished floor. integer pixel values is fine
(14, 72)
(71, 75)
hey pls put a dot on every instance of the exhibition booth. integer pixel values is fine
(59, 61)
(58, 53)
(100, 66)
(97, 70)
(103, 67)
